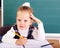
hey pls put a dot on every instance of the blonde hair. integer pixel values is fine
(25, 8)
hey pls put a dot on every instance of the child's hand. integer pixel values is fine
(21, 41)
(35, 19)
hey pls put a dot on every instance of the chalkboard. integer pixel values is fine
(46, 10)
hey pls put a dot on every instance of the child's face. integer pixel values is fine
(23, 20)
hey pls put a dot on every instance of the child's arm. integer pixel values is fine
(9, 38)
(40, 31)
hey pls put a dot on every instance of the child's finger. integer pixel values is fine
(35, 19)
(32, 17)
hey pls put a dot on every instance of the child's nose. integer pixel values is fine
(22, 22)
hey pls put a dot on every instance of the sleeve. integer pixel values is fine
(8, 37)
(39, 34)
(41, 31)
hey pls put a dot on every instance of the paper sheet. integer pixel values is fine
(30, 44)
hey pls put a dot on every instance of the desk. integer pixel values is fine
(55, 41)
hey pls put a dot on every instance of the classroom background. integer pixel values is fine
(46, 10)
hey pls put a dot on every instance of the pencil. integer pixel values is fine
(19, 36)
(47, 44)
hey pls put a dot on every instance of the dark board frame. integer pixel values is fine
(46, 10)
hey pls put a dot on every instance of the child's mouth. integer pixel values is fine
(21, 26)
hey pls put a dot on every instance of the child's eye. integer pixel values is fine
(25, 20)
(19, 20)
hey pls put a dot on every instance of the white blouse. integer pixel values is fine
(38, 34)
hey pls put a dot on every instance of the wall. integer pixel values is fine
(0, 13)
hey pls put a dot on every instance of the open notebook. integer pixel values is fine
(29, 44)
